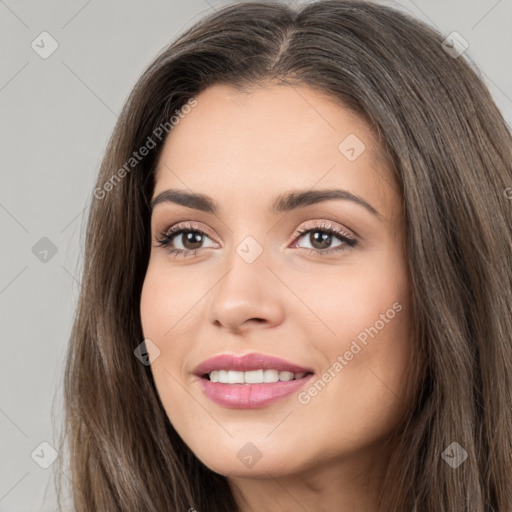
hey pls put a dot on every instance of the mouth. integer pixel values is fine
(251, 380)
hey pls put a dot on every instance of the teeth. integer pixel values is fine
(253, 376)
(270, 375)
(285, 376)
(235, 377)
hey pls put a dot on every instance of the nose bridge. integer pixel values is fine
(250, 249)
(246, 281)
(246, 292)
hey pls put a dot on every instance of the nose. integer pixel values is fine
(248, 296)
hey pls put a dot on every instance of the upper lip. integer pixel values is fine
(248, 362)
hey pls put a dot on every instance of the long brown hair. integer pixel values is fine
(451, 152)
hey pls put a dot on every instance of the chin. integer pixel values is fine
(247, 461)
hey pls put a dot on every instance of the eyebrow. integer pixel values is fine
(283, 203)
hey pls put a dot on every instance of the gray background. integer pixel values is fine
(56, 117)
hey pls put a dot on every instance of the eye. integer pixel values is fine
(188, 236)
(321, 236)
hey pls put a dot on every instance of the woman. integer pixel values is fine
(219, 364)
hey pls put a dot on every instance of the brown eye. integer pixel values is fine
(191, 240)
(183, 240)
(320, 239)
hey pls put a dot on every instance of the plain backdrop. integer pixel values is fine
(57, 114)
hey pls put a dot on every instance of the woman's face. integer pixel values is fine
(332, 302)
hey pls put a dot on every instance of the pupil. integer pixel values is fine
(321, 238)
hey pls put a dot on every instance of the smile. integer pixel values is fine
(251, 380)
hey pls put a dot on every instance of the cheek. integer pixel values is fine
(348, 301)
(366, 347)
(167, 300)
(371, 387)
(170, 310)
(163, 309)
(150, 306)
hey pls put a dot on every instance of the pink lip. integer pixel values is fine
(247, 363)
(249, 396)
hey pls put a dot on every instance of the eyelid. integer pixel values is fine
(328, 225)
(189, 226)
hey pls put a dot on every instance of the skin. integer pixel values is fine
(243, 148)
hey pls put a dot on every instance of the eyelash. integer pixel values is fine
(165, 238)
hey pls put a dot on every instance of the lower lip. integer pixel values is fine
(250, 396)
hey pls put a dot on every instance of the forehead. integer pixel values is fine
(269, 139)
